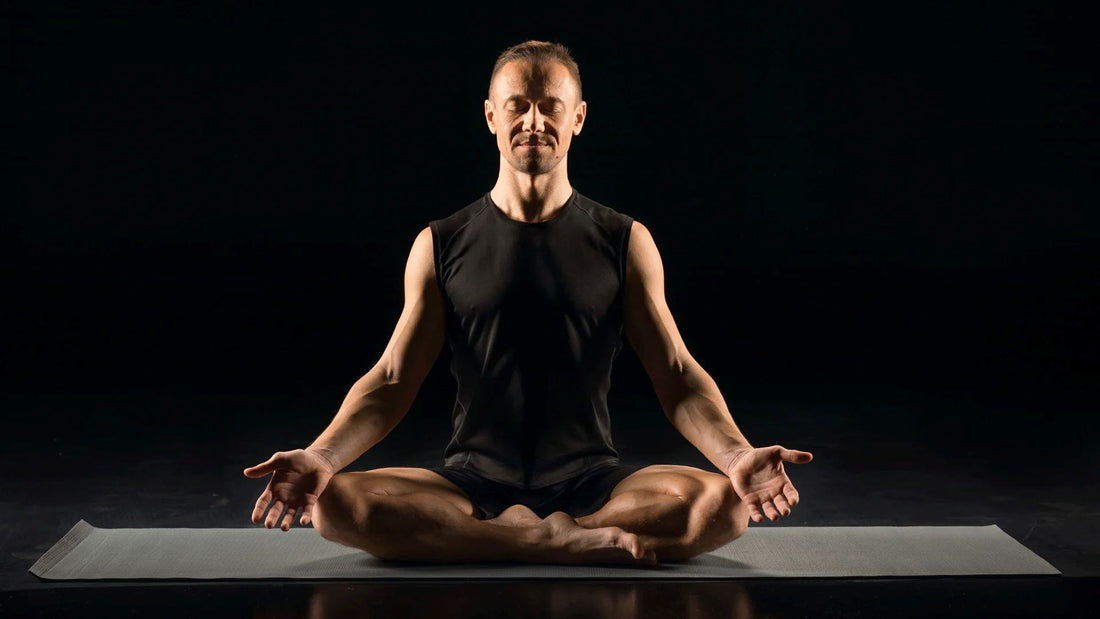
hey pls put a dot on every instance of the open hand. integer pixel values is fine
(297, 478)
(759, 479)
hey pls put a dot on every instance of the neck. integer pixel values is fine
(531, 198)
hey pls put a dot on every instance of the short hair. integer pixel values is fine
(538, 52)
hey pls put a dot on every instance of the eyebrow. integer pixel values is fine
(523, 98)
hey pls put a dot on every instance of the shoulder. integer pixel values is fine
(641, 239)
(615, 226)
(642, 256)
(456, 220)
(460, 215)
(601, 213)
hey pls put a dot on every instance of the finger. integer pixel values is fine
(288, 518)
(754, 513)
(781, 505)
(769, 510)
(307, 515)
(263, 468)
(795, 456)
(273, 515)
(260, 469)
(791, 494)
(261, 506)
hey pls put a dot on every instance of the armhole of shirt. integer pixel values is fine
(437, 254)
(625, 248)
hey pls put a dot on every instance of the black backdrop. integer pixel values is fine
(854, 202)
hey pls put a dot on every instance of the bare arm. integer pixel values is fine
(379, 400)
(688, 394)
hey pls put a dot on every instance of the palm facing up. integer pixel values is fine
(297, 478)
(762, 483)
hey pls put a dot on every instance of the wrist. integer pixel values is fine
(732, 456)
(328, 456)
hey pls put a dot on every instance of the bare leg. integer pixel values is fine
(408, 514)
(516, 515)
(677, 511)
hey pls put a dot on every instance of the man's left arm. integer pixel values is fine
(690, 397)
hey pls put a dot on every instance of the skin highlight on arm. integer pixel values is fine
(378, 401)
(688, 395)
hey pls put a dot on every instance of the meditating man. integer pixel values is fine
(532, 286)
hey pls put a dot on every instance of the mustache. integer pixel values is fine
(532, 138)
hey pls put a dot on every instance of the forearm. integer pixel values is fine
(371, 409)
(696, 408)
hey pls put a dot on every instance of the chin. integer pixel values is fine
(531, 166)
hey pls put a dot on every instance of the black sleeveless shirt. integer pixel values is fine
(534, 322)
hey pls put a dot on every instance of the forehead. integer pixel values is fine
(536, 80)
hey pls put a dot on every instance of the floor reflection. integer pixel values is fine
(558, 599)
(897, 598)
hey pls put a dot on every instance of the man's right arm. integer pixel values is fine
(381, 397)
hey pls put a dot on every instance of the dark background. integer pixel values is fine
(888, 209)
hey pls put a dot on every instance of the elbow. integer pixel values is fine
(672, 386)
(681, 381)
(384, 379)
(387, 373)
(675, 374)
(391, 370)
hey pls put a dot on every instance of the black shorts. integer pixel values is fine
(577, 496)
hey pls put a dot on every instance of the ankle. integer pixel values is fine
(533, 539)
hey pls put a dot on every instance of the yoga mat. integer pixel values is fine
(90, 553)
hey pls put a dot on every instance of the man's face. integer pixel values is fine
(534, 110)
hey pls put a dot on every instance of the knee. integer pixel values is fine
(716, 513)
(717, 517)
(333, 510)
(727, 517)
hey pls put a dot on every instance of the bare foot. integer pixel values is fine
(515, 516)
(561, 540)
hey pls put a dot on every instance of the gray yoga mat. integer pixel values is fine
(90, 553)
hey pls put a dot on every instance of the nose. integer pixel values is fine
(534, 121)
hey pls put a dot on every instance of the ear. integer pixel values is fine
(489, 117)
(579, 116)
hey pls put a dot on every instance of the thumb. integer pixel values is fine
(795, 456)
(263, 468)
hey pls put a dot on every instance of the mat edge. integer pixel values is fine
(61, 549)
(82, 530)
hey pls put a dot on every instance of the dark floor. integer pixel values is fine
(172, 458)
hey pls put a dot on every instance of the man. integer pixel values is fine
(531, 286)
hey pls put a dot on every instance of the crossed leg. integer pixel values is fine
(661, 512)
(677, 511)
(412, 514)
